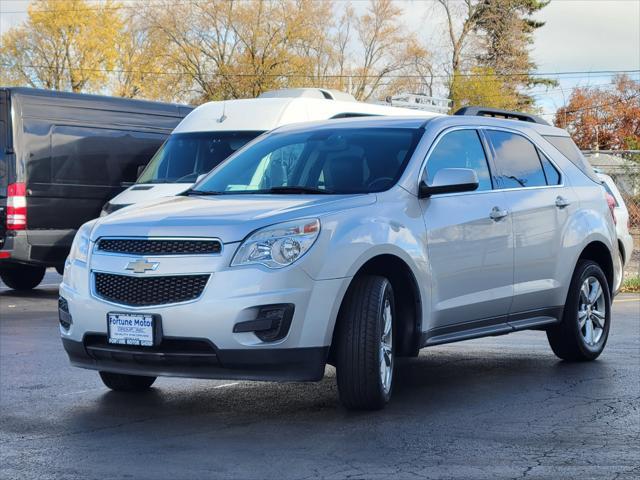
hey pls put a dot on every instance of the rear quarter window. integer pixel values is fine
(570, 150)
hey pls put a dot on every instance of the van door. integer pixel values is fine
(470, 245)
(540, 205)
(79, 168)
(6, 157)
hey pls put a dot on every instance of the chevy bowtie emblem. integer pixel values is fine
(141, 266)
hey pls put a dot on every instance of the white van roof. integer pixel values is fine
(264, 114)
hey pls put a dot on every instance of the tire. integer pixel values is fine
(582, 334)
(361, 347)
(22, 277)
(126, 383)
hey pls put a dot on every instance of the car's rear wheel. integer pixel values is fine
(364, 344)
(126, 383)
(22, 277)
(584, 329)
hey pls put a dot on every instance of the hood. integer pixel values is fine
(228, 217)
(141, 192)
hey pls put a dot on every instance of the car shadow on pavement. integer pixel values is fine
(435, 386)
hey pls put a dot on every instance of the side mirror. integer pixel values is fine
(449, 180)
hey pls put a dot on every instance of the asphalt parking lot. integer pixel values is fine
(501, 407)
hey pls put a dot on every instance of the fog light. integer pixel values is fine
(271, 323)
(63, 313)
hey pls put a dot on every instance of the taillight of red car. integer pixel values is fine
(16, 206)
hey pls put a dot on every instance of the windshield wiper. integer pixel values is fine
(191, 191)
(295, 189)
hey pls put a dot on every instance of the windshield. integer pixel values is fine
(185, 156)
(330, 160)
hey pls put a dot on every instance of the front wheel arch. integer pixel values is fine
(409, 305)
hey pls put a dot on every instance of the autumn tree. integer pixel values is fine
(506, 30)
(239, 49)
(63, 45)
(607, 119)
(142, 69)
(492, 36)
(482, 86)
(383, 48)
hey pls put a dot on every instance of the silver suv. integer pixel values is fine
(350, 242)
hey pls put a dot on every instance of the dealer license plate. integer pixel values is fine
(131, 328)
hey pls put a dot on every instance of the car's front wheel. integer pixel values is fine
(126, 383)
(364, 344)
(586, 320)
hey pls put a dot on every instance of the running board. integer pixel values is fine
(515, 323)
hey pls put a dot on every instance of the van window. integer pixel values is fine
(185, 156)
(460, 149)
(516, 160)
(93, 156)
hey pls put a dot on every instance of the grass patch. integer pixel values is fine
(631, 285)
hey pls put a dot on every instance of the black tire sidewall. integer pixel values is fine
(387, 294)
(588, 269)
(22, 277)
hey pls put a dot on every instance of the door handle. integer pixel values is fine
(562, 202)
(498, 214)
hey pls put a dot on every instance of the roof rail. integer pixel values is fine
(497, 113)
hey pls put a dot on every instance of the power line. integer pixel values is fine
(594, 107)
(332, 76)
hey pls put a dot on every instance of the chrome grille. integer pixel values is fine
(146, 291)
(150, 246)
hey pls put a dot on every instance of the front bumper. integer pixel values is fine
(231, 296)
(274, 364)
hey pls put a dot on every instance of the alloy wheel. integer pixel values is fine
(591, 311)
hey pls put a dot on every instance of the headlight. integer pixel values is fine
(80, 245)
(278, 245)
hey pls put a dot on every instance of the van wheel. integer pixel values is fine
(126, 383)
(365, 351)
(583, 332)
(22, 277)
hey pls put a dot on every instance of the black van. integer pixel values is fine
(62, 156)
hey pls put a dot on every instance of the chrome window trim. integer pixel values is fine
(444, 132)
(96, 251)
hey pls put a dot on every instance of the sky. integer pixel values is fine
(579, 36)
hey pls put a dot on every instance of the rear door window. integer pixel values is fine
(460, 149)
(516, 159)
